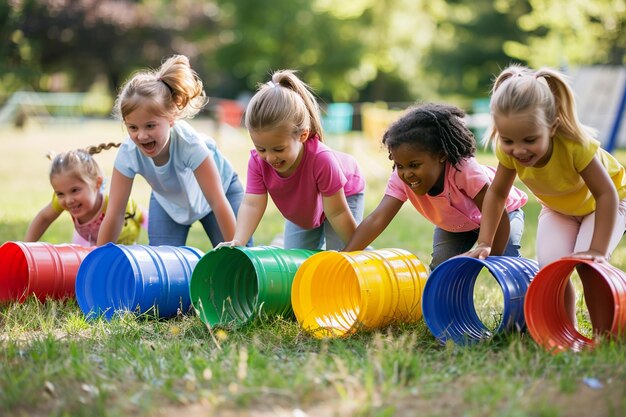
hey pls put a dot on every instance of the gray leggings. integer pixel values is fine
(324, 236)
(448, 244)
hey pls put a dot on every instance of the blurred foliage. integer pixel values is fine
(266, 35)
(67, 44)
(361, 50)
(468, 51)
(570, 32)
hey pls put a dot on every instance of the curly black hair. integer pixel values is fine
(433, 128)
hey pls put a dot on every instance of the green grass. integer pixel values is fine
(55, 363)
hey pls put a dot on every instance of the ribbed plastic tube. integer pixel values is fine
(38, 268)
(336, 294)
(448, 303)
(137, 278)
(233, 286)
(545, 311)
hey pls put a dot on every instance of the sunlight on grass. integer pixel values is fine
(488, 300)
(54, 362)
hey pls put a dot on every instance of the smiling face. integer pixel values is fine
(151, 134)
(524, 138)
(81, 199)
(423, 171)
(280, 147)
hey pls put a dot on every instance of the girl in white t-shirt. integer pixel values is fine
(190, 178)
(435, 169)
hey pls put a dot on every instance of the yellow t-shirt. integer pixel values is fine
(558, 185)
(129, 235)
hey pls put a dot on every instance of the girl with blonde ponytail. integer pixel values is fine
(319, 191)
(581, 187)
(191, 179)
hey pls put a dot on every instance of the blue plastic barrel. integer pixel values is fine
(448, 300)
(136, 278)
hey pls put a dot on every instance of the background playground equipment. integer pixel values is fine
(235, 285)
(230, 112)
(38, 268)
(544, 308)
(339, 293)
(338, 118)
(376, 118)
(136, 278)
(337, 124)
(448, 302)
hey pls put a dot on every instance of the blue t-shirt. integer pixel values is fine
(174, 185)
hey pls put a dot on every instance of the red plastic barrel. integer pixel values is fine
(39, 268)
(544, 307)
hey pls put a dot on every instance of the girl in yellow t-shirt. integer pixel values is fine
(77, 182)
(581, 187)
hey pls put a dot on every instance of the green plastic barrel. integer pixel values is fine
(235, 285)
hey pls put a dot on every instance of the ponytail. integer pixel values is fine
(545, 93)
(285, 99)
(79, 162)
(174, 90)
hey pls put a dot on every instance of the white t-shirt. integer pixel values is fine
(174, 185)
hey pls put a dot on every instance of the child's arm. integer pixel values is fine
(40, 223)
(113, 221)
(504, 227)
(599, 183)
(250, 213)
(492, 209)
(374, 224)
(210, 183)
(339, 215)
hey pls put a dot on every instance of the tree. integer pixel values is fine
(571, 32)
(468, 51)
(82, 39)
(259, 37)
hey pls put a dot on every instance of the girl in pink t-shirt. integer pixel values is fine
(435, 169)
(319, 191)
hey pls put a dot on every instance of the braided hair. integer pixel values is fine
(433, 128)
(80, 162)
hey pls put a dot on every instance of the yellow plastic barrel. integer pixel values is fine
(336, 294)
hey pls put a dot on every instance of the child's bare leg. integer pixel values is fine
(598, 298)
(570, 302)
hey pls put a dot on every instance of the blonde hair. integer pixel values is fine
(285, 100)
(545, 94)
(174, 91)
(79, 162)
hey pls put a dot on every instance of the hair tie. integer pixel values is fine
(166, 84)
(272, 84)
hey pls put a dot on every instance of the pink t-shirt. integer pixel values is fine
(454, 209)
(322, 172)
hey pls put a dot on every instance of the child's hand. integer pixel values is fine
(229, 244)
(592, 255)
(481, 251)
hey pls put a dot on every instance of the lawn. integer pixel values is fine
(55, 363)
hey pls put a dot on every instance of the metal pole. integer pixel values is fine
(617, 122)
